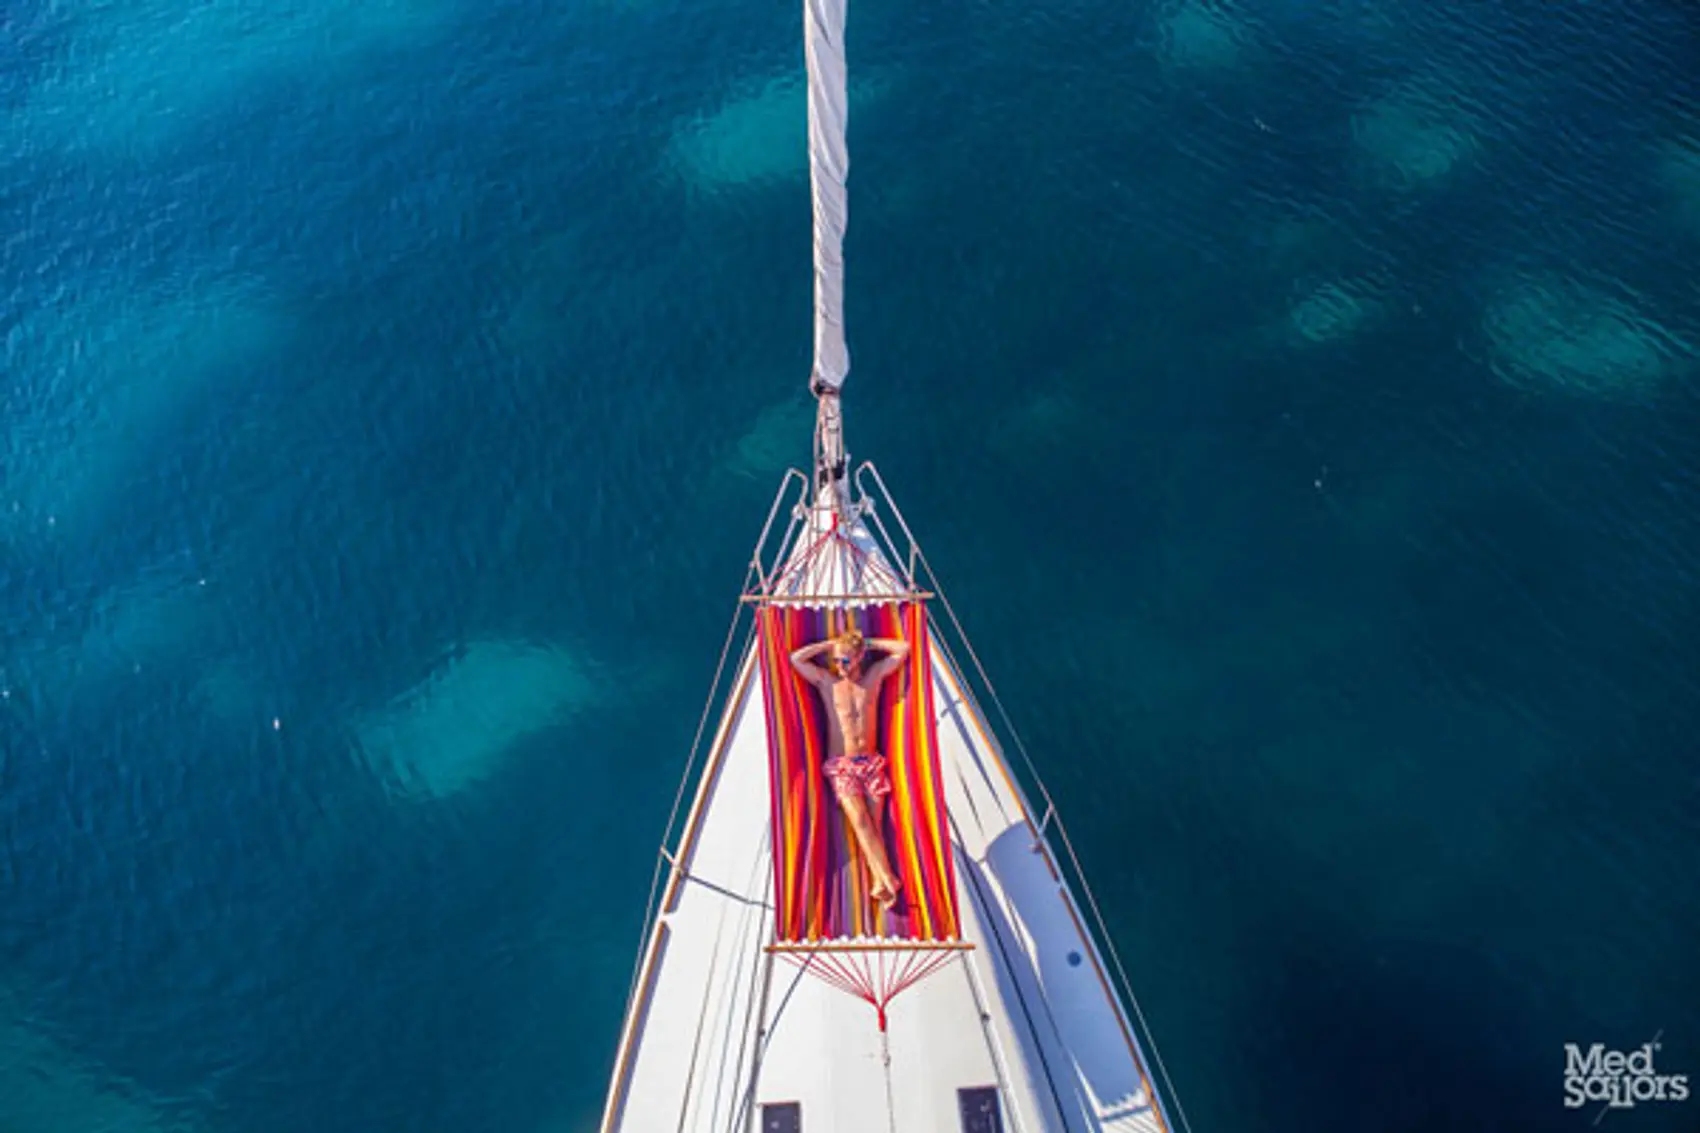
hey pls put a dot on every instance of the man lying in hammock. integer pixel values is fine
(851, 690)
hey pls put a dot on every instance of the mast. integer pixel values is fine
(829, 172)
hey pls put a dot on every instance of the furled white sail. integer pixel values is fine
(829, 170)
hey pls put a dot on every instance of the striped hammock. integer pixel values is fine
(820, 883)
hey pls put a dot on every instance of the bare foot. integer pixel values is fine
(885, 893)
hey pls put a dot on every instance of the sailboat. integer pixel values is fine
(776, 989)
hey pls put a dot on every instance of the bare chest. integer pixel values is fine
(850, 700)
(853, 710)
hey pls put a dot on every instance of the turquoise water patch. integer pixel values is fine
(453, 731)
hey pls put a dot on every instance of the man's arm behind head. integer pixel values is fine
(803, 660)
(896, 653)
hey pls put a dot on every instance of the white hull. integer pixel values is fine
(717, 1027)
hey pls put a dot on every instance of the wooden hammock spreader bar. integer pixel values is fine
(834, 599)
(804, 948)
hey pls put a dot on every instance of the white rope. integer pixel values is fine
(734, 992)
(978, 994)
(755, 1015)
(890, 1098)
(704, 1011)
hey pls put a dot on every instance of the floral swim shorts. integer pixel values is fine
(863, 773)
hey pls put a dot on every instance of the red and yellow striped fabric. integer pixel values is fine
(820, 883)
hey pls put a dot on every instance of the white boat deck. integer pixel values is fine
(720, 1028)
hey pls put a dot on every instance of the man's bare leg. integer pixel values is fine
(868, 836)
(893, 883)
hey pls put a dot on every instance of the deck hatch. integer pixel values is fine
(980, 1110)
(782, 1117)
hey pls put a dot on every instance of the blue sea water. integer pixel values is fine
(1300, 400)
